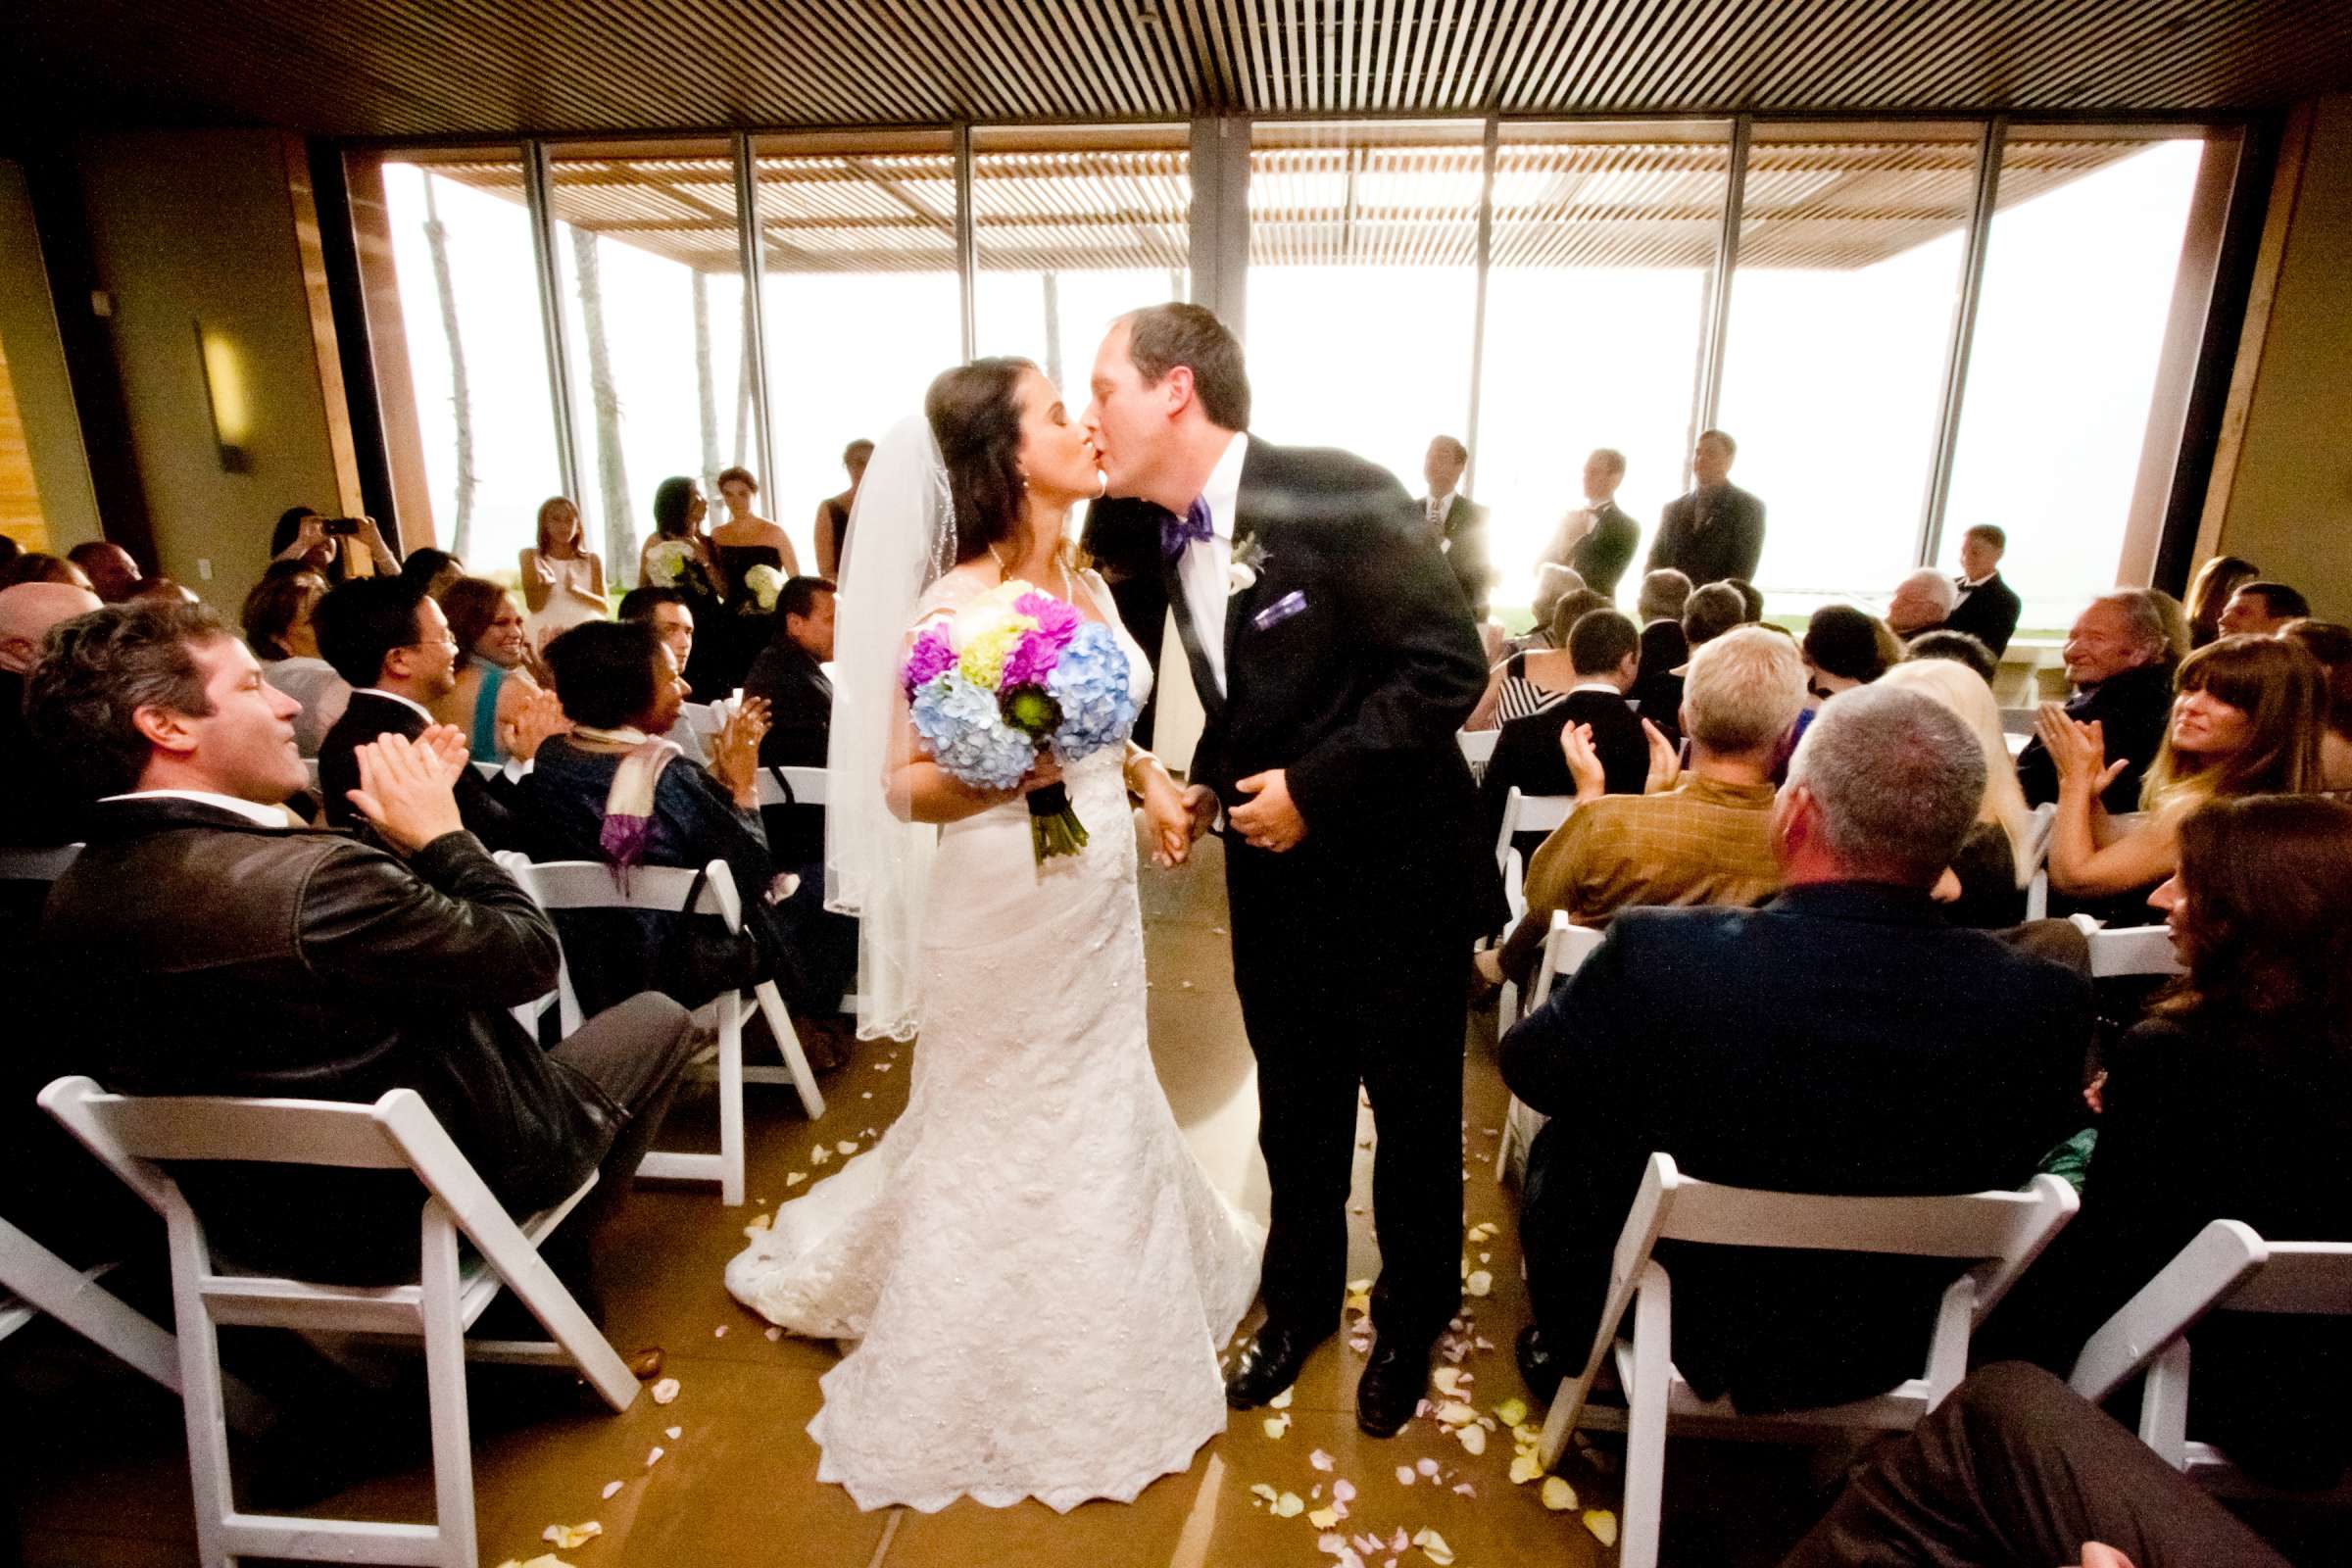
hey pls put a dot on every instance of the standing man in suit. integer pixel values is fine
(1335, 657)
(1597, 540)
(1456, 524)
(1842, 1038)
(1989, 608)
(1717, 530)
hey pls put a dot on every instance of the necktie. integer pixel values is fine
(1177, 532)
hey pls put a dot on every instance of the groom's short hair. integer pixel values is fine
(1161, 337)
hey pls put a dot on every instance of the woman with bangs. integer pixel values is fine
(2246, 721)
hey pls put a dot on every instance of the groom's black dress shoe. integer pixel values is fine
(1539, 1367)
(1391, 1389)
(1269, 1364)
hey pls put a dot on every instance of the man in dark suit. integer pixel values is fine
(1457, 525)
(1605, 652)
(1717, 530)
(1335, 657)
(391, 642)
(1122, 534)
(1989, 608)
(2119, 660)
(789, 674)
(1842, 1038)
(35, 805)
(1597, 540)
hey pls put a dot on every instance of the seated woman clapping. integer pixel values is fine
(2246, 721)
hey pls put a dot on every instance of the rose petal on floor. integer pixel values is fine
(654, 1458)
(759, 1222)
(1525, 1468)
(1280, 1401)
(1432, 1546)
(1277, 1425)
(664, 1390)
(773, 1335)
(792, 1179)
(1511, 1411)
(674, 1434)
(568, 1538)
(1319, 1460)
(845, 1147)
(1343, 1491)
(1322, 1518)
(1428, 1467)
(1558, 1495)
(611, 1487)
(1603, 1524)
(1447, 1380)
(819, 1155)
(1473, 1439)
(1407, 1475)
(1259, 1489)
(1479, 1283)
(1290, 1505)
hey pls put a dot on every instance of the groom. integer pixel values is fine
(1335, 657)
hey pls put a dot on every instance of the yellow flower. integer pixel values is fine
(983, 658)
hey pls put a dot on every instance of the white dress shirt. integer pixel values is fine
(253, 812)
(404, 702)
(1207, 563)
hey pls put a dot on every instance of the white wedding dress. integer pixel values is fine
(1037, 1273)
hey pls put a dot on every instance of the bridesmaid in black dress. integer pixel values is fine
(833, 512)
(746, 541)
(679, 554)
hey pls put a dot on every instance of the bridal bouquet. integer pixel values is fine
(1012, 673)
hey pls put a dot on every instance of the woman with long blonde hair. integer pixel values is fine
(1996, 860)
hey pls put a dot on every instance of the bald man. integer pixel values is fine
(33, 806)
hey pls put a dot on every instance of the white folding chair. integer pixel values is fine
(799, 786)
(2005, 1231)
(2128, 950)
(662, 889)
(1566, 946)
(2037, 857)
(698, 725)
(1478, 748)
(139, 1138)
(2225, 1269)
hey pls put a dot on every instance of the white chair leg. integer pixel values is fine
(1502, 1145)
(77, 1300)
(2164, 1406)
(796, 1060)
(1645, 1422)
(445, 1393)
(199, 1400)
(730, 1103)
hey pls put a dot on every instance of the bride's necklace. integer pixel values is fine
(1004, 573)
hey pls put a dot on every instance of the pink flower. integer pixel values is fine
(930, 656)
(1056, 619)
(1031, 661)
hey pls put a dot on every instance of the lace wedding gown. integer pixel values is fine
(1036, 1272)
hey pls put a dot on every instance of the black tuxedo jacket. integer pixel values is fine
(1122, 536)
(1987, 613)
(1710, 537)
(1840, 1038)
(1527, 756)
(1465, 549)
(800, 696)
(1351, 662)
(492, 814)
(1602, 556)
(2132, 711)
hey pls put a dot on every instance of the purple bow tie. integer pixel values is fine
(1177, 532)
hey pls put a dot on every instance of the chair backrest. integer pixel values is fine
(2037, 842)
(2129, 950)
(1528, 813)
(1566, 946)
(704, 718)
(1478, 745)
(593, 884)
(2019, 721)
(792, 786)
(36, 866)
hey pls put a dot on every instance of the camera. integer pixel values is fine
(341, 525)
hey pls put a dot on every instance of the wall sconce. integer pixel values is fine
(227, 396)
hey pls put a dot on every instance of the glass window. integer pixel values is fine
(649, 268)
(1604, 241)
(859, 288)
(1851, 242)
(468, 293)
(1073, 227)
(1363, 285)
(2080, 272)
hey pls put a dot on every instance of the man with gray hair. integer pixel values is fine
(1840, 1038)
(1922, 602)
(2119, 659)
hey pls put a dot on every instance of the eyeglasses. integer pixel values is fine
(450, 643)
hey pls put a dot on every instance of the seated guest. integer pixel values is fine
(2208, 595)
(1959, 647)
(1922, 603)
(2258, 609)
(493, 690)
(2331, 647)
(1662, 597)
(2246, 722)
(1996, 1475)
(36, 806)
(1842, 1038)
(789, 676)
(432, 570)
(1751, 596)
(2232, 1099)
(1665, 648)
(1988, 606)
(615, 790)
(1986, 884)
(1703, 837)
(2118, 657)
(35, 565)
(1553, 582)
(320, 967)
(277, 628)
(1844, 648)
(1604, 651)
(666, 610)
(1709, 612)
(1533, 678)
(391, 643)
(114, 575)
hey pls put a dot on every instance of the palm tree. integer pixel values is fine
(612, 474)
(461, 397)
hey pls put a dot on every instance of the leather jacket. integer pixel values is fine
(205, 954)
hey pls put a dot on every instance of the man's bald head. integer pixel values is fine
(28, 612)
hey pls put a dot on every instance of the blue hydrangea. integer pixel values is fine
(1089, 683)
(967, 735)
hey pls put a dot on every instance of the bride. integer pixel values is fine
(1035, 1273)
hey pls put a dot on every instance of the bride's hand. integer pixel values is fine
(1047, 770)
(1170, 820)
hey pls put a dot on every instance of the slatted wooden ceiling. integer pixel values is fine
(450, 68)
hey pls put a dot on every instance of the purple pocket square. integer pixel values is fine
(1280, 610)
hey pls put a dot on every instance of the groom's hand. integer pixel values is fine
(1200, 805)
(1269, 822)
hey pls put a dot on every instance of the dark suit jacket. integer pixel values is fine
(36, 808)
(1987, 613)
(1602, 556)
(1465, 548)
(1528, 757)
(799, 695)
(1351, 661)
(1122, 535)
(1709, 536)
(2132, 710)
(491, 811)
(1840, 1038)
(1657, 689)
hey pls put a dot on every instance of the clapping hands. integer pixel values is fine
(539, 717)
(1665, 761)
(1584, 762)
(2078, 750)
(735, 753)
(407, 788)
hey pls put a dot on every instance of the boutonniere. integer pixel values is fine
(1248, 560)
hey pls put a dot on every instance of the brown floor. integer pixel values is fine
(99, 1472)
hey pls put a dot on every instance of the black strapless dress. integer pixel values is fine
(745, 627)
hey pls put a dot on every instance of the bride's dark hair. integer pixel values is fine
(975, 415)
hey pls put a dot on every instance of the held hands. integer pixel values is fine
(1200, 805)
(1170, 820)
(539, 717)
(735, 755)
(1270, 820)
(1584, 762)
(1665, 761)
(2078, 750)
(407, 789)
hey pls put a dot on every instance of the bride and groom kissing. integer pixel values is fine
(1036, 1274)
